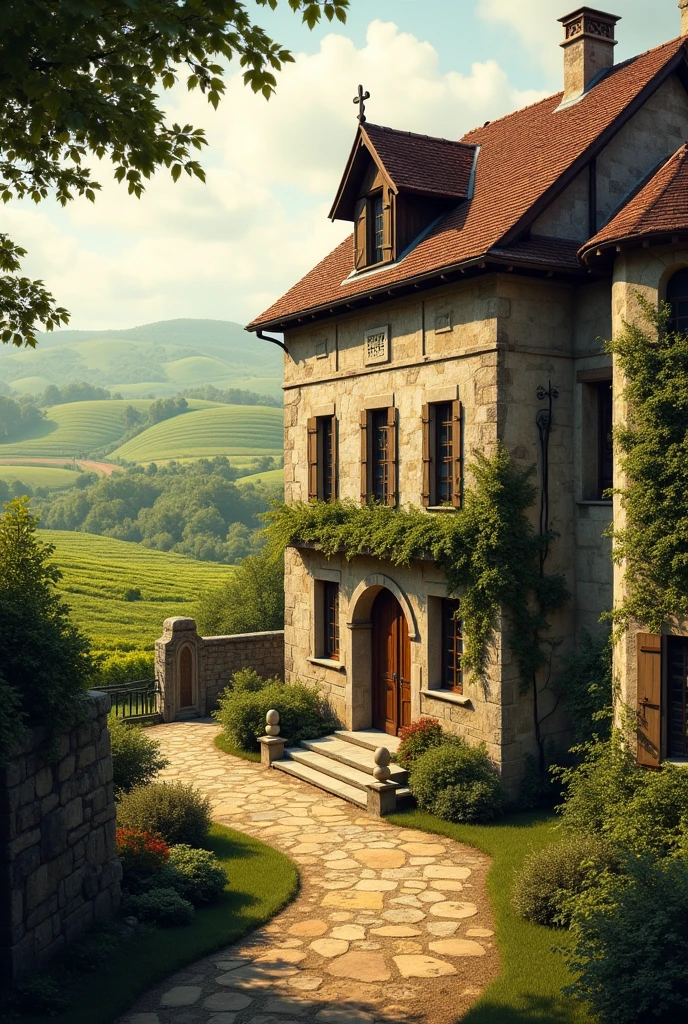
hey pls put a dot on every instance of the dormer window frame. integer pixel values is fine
(374, 229)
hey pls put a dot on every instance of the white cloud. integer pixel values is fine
(229, 248)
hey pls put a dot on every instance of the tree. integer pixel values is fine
(252, 599)
(45, 660)
(80, 78)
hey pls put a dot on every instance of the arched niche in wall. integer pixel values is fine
(187, 678)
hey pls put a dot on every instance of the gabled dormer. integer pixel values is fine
(396, 184)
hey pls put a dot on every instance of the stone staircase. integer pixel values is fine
(343, 764)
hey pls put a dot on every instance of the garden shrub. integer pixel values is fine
(113, 667)
(159, 906)
(610, 796)
(585, 684)
(417, 738)
(196, 875)
(136, 758)
(247, 680)
(304, 713)
(458, 782)
(551, 876)
(630, 945)
(174, 810)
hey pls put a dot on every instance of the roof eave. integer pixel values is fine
(644, 239)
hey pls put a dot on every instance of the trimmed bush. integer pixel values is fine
(417, 738)
(247, 680)
(196, 875)
(159, 906)
(613, 798)
(136, 758)
(552, 876)
(631, 944)
(304, 713)
(174, 810)
(458, 782)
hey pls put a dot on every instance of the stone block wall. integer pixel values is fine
(58, 866)
(208, 665)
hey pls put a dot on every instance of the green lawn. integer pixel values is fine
(224, 744)
(52, 477)
(261, 881)
(270, 476)
(243, 430)
(528, 989)
(97, 570)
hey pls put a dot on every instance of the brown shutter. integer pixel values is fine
(427, 457)
(392, 456)
(457, 496)
(649, 660)
(388, 224)
(360, 234)
(335, 459)
(312, 459)
(364, 457)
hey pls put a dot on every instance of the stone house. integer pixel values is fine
(481, 279)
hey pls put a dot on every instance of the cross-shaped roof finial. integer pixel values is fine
(360, 101)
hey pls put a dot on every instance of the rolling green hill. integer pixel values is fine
(82, 427)
(97, 571)
(53, 477)
(153, 359)
(231, 430)
(270, 476)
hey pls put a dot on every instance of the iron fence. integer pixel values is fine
(138, 699)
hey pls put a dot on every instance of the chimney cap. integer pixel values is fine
(602, 15)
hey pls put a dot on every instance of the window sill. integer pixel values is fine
(448, 697)
(679, 762)
(441, 508)
(606, 502)
(337, 666)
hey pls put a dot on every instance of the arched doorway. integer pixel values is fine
(391, 665)
(186, 678)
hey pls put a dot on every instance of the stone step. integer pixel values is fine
(360, 758)
(328, 766)
(370, 739)
(321, 781)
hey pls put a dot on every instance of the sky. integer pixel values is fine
(227, 249)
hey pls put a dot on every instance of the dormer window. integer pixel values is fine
(377, 219)
(371, 231)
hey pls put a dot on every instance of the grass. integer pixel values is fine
(220, 430)
(97, 570)
(52, 477)
(529, 987)
(223, 743)
(76, 427)
(270, 476)
(261, 881)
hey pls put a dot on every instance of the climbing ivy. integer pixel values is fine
(488, 550)
(653, 450)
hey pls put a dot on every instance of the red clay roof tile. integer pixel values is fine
(660, 207)
(523, 161)
(421, 163)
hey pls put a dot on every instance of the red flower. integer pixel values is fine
(141, 850)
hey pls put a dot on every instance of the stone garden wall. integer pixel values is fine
(192, 670)
(58, 866)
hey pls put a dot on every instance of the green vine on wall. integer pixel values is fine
(653, 449)
(488, 550)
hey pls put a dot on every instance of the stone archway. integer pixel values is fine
(360, 681)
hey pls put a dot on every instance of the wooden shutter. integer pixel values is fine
(456, 442)
(387, 224)
(335, 459)
(649, 660)
(360, 234)
(392, 456)
(426, 417)
(364, 457)
(312, 459)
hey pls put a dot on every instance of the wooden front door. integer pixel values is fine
(391, 665)
(186, 678)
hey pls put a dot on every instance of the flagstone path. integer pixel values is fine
(389, 924)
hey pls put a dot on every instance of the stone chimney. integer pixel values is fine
(589, 47)
(683, 4)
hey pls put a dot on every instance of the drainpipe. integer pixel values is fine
(275, 341)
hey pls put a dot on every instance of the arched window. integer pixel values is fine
(677, 297)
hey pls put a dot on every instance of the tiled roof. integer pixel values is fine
(661, 207)
(525, 161)
(421, 163)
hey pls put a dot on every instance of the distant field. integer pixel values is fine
(97, 570)
(271, 476)
(231, 430)
(40, 476)
(81, 427)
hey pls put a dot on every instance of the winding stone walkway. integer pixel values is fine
(389, 924)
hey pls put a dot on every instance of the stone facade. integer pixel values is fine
(489, 341)
(211, 661)
(58, 866)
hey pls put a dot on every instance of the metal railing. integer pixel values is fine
(138, 699)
